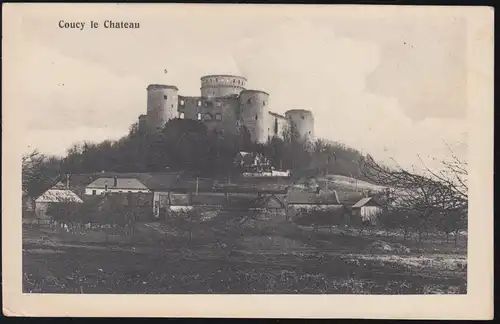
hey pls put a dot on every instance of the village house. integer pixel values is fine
(115, 185)
(257, 165)
(271, 206)
(252, 162)
(367, 210)
(75, 183)
(51, 197)
(299, 201)
(174, 191)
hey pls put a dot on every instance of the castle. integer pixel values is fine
(225, 105)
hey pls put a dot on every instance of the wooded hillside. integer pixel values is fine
(187, 145)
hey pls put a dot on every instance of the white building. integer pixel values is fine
(115, 185)
(367, 209)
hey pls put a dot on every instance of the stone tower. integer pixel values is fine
(161, 106)
(304, 122)
(221, 85)
(254, 114)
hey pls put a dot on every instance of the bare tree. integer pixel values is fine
(434, 199)
(39, 172)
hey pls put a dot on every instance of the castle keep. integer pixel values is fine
(224, 105)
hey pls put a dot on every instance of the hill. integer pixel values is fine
(188, 146)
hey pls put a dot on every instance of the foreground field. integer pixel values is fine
(250, 261)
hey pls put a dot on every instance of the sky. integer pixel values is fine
(390, 83)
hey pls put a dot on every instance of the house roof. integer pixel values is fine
(350, 197)
(363, 202)
(177, 182)
(241, 188)
(161, 180)
(301, 197)
(121, 183)
(271, 201)
(134, 199)
(76, 181)
(209, 199)
(247, 158)
(59, 195)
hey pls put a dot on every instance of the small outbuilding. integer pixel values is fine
(367, 209)
(54, 196)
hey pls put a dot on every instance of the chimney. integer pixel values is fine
(115, 183)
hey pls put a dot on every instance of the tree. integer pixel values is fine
(65, 213)
(39, 172)
(432, 199)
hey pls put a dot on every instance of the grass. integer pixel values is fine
(276, 258)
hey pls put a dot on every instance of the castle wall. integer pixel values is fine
(143, 122)
(276, 125)
(221, 114)
(161, 105)
(190, 107)
(304, 120)
(213, 86)
(254, 114)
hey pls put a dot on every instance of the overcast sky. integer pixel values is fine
(388, 83)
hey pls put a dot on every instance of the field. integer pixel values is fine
(220, 257)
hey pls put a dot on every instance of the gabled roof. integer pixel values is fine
(58, 195)
(271, 201)
(365, 201)
(303, 198)
(121, 183)
(245, 157)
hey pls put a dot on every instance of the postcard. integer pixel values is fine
(270, 161)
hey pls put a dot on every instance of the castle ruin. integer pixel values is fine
(224, 105)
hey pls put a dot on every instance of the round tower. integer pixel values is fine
(254, 114)
(304, 122)
(213, 86)
(162, 105)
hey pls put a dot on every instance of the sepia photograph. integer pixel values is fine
(251, 150)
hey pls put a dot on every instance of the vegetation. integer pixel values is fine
(187, 145)
(38, 173)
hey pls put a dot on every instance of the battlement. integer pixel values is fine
(161, 86)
